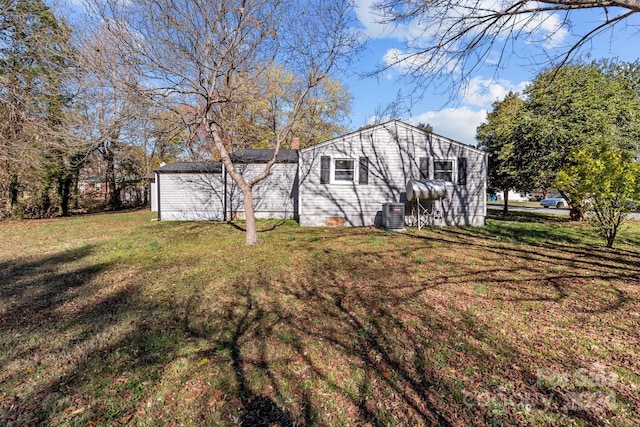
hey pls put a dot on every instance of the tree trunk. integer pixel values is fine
(45, 201)
(505, 196)
(575, 212)
(112, 193)
(64, 192)
(251, 233)
(13, 191)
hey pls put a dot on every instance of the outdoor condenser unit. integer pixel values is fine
(393, 216)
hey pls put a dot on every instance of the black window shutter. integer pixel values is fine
(363, 176)
(462, 171)
(325, 169)
(424, 168)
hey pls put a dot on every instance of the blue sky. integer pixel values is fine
(458, 119)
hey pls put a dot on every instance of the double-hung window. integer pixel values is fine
(443, 169)
(344, 170)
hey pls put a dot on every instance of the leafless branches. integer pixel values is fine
(453, 38)
(205, 55)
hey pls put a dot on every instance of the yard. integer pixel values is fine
(119, 320)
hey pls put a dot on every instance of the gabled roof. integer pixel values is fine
(191, 167)
(251, 155)
(387, 125)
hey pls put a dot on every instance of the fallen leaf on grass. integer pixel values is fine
(77, 411)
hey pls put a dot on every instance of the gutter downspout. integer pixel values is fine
(158, 194)
(224, 197)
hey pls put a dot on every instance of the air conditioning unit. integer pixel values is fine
(393, 216)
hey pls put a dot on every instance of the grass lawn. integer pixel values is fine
(118, 320)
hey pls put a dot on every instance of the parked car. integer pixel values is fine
(555, 201)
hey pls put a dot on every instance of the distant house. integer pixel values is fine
(344, 181)
(98, 188)
(514, 196)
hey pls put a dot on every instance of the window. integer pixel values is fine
(443, 169)
(344, 170)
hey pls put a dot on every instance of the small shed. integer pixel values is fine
(205, 191)
(274, 197)
(190, 191)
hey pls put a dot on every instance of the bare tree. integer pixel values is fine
(204, 54)
(453, 38)
(114, 106)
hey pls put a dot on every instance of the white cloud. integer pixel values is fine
(407, 63)
(439, 17)
(401, 61)
(369, 20)
(548, 27)
(484, 92)
(459, 124)
(373, 26)
(543, 29)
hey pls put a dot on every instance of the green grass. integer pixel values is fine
(116, 319)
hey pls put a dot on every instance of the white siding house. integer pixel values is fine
(204, 191)
(348, 179)
(344, 181)
(153, 194)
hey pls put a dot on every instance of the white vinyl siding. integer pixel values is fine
(273, 197)
(153, 195)
(396, 153)
(190, 196)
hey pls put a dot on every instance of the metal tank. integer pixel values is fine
(426, 189)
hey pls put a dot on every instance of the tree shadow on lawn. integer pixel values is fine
(543, 272)
(263, 226)
(256, 409)
(32, 291)
(522, 216)
(355, 340)
(69, 328)
(533, 229)
(346, 337)
(563, 232)
(565, 244)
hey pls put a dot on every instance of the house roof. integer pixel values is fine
(238, 156)
(191, 167)
(251, 155)
(387, 125)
